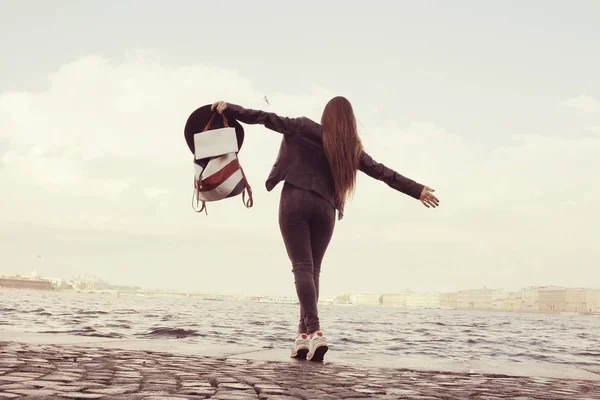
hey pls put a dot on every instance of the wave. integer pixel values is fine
(92, 312)
(259, 323)
(118, 325)
(177, 333)
(125, 311)
(351, 341)
(588, 353)
(86, 331)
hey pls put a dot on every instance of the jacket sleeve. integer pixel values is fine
(284, 125)
(393, 179)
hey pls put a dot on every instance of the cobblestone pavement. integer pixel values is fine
(55, 372)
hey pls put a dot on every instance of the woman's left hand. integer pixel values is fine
(220, 106)
(428, 199)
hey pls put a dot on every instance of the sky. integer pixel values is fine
(495, 105)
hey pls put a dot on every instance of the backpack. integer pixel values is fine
(218, 174)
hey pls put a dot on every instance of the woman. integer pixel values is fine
(318, 163)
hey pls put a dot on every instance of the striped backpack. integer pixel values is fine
(215, 145)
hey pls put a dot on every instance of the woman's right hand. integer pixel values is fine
(428, 199)
(220, 106)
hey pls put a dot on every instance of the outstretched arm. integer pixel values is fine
(272, 121)
(396, 181)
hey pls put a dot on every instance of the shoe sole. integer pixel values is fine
(301, 353)
(319, 353)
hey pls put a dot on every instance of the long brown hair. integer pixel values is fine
(342, 145)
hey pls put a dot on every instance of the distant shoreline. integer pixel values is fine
(286, 300)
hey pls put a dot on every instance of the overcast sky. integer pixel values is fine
(496, 105)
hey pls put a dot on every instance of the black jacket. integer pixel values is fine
(302, 160)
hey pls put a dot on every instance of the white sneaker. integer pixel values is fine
(300, 348)
(317, 347)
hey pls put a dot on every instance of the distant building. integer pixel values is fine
(396, 299)
(576, 300)
(25, 283)
(481, 299)
(552, 299)
(98, 284)
(124, 288)
(84, 282)
(449, 300)
(57, 282)
(499, 302)
(423, 300)
(513, 303)
(530, 297)
(365, 299)
(592, 300)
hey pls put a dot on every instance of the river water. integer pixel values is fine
(372, 330)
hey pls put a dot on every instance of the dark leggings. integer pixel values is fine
(306, 221)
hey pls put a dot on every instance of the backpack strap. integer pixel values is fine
(196, 198)
(248, 190)
(212, 117)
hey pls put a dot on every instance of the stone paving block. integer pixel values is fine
(99, 377)
(81, 395)
(28, 375)
(235, 386)
(370, 390)
(10, 386)
(216, 380)
(273, 392)
(41, 371)
(153, 393)
(345, 394)
(127, 374)
(126, 381)
(9, 378)
(196, 384)
(362, 398)
(9, 396)
(306, 393)
(62, 377)
(33, 392)
(151, 387)
(202, 391)
(160, 381)
(57, 386)
(115, 390)
(87, 384)
(234, 396)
